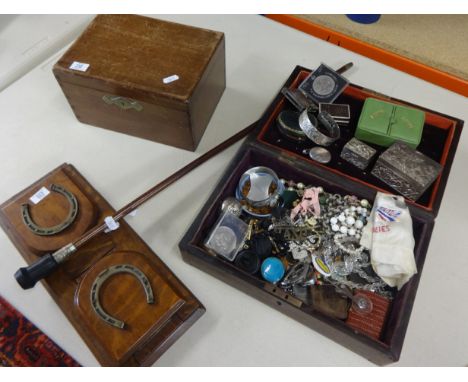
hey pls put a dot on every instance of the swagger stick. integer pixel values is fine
(27, 277)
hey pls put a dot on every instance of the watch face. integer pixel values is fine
(323, 85)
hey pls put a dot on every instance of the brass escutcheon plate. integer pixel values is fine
(122, 102)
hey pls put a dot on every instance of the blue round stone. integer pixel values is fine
(272, 269)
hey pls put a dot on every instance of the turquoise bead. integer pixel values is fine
(272, 269)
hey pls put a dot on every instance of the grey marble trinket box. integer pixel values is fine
(406, 170)
(357, 153)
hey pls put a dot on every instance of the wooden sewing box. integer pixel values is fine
(266, 147)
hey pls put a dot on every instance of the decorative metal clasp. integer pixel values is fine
(122, 102)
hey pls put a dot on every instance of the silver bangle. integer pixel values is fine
(309, 125)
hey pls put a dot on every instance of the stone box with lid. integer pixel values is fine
(149, 78)
(268, 148)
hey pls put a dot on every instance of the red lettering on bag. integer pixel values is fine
(381, 229)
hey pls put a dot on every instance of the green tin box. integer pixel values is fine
(383, 123)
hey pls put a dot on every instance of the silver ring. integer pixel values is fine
(309, 125)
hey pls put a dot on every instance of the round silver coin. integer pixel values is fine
(320, 154)
(323, 85)
(224, 241)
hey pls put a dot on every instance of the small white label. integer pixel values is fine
(133, 213)
(111, 224)
(79, 66)
(39, 195)
(170, 79)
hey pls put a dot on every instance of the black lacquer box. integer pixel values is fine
(266, 147)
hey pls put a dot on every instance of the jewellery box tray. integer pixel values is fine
(150, 328)
(264, 148)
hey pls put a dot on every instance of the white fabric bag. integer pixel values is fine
(388, 235)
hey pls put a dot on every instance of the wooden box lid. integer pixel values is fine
(137, 53)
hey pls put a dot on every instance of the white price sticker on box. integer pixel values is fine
(39, 195)
(80, 66)
(170, 79)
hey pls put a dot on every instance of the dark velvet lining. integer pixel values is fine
(432, 144)
(284, 170)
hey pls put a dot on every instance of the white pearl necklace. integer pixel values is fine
(351, 221)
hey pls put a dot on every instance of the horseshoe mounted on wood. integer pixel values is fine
(49, 231)
(101, 279)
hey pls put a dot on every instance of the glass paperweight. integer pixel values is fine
(259, 191)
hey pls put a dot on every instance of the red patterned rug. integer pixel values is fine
(23, 344)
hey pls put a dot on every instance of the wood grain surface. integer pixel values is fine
(151, 329)
(372, 323)
(129, 56)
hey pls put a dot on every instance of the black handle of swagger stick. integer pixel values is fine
(27, 277)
